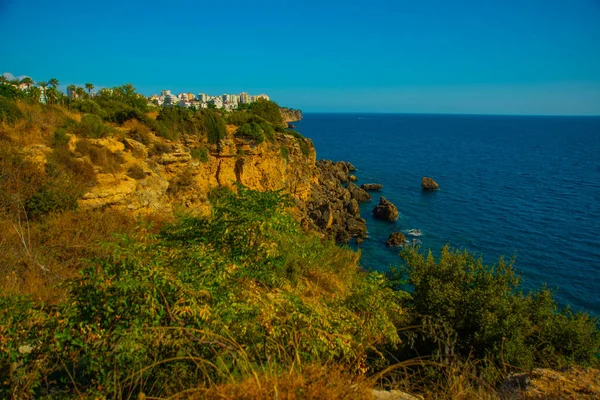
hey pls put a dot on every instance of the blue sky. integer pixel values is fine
(491, 57)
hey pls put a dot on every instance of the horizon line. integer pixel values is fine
(452, 114)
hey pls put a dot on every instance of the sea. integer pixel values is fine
(526, 187)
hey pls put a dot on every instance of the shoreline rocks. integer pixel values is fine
(372, 187)
(333, 209)
(429, 184)
(385, 210)
(357, 193)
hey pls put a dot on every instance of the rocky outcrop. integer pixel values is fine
(167, 175)
(290, 114)
(352, 178)
(429, 184)
(396, 239)
(385, 210)
(329, 198)
(371, 187)
(357, 193)
(159, 176)
(572, 383)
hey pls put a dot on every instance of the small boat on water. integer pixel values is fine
(415, 232)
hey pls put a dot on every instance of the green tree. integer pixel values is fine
(53, 82)
(80, 92)
(3, 80)
(89, 87)
(267, 110)
(27, 81)
(478, 311)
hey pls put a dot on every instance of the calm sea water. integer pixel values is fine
(515, 186)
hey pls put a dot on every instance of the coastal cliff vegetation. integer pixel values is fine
(241, 300)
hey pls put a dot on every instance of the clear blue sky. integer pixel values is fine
(480, 56)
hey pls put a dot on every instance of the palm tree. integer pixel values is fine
(3, 80)
(52, 95)
(71, 91)
(80, 92)
(27, 81)
(53, 82)
(35, 94)
(89, 87)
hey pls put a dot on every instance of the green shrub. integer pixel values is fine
(91, 126)
(87, 106)
(267, 110)
(200, 154)
(240, 118)
(268, 131)
(206, 300)
(161, 148)
(58, 193)
(214, 125)
(82, 170)
(285, 153)
(136, 172)
(9, 112)
(479, 311)
(60, 137)
(109, 162)
(251, 130)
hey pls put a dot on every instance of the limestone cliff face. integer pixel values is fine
(159, 176)
(149, 182)
(290, 114)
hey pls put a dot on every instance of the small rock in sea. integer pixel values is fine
(375, 187)
(385, 210)
(396, 239)
(429, 184)
(351, 168)
(352, 178)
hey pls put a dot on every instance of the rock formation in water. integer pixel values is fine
(385, 210)
(371, 187)
(396, 239)
(429, 184)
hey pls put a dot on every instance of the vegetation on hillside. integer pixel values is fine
(242, 303)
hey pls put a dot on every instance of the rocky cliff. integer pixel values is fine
(160, 176)
(290, 114)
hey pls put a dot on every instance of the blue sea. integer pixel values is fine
(518, 186)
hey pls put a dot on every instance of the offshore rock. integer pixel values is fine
(429, 184)
(385, 210)
(372, 187)
(396, 239)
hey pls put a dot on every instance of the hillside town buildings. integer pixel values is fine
(226, 101)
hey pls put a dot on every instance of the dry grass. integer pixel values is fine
(109, 162)
(36, 256)
(39, 124)
(312, 382)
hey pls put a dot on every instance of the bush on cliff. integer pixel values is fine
(469, 310)
(251, 130)
(267, 110)
(9, 112)
(204, 301)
